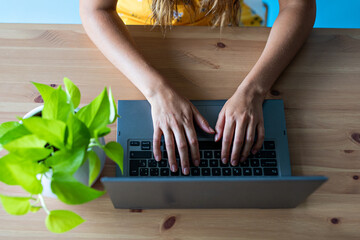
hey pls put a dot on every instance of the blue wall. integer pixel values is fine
(329, 13)
(39, 11)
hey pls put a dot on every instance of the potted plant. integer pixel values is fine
(54, 146)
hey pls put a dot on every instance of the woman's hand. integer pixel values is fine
(173, 117)
(238, 120)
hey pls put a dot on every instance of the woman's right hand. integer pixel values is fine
(173, 117)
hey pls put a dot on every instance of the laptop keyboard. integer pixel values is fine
(143, 164)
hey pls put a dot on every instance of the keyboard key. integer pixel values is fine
(195, 171)
(182, 174)
(226, 171)
(203, 163)
(268, 154)
(137, 163)
(152, 163)
(144, 171)
(236, 171)
(145, 148)
(164, 172)
(247, 171)
(255, 162)
(154, 172)
(211, 145)
(140, 154)
(217, 154)
(257, 171)
(245, 163)
(145, 143)
(214, 163)
(134, 172)
(134, 143)
(216, 171)
(268, 162)
(175, 173)
(269, 145)
(205, 171)
(270, 172)
(224, 165)
(142, 163)
(208, 154)
(163, 163)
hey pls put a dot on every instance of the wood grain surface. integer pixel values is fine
(320, 89)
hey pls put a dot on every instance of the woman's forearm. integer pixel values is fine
(110, 35)
(289, 32)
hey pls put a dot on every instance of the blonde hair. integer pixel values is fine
(223, 12)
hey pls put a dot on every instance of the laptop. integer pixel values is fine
(264, 180)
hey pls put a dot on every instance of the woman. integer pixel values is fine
(172, 114)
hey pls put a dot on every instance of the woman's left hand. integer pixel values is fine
(237, 122)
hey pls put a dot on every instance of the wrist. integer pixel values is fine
(161, 93)
(252, 89)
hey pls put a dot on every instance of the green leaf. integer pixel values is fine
(57, 107)
(116, 153)
(44, 90)
(66, 161)
(96, 114)
(29, 147)
(52, 131)
(73, 91)
(113, 110)
(94, 166)
(14, 133)
(24, 174)
(34, 209)
(70, 191)
(102, 132)
(78, 133)
(7, 126)
(59, 221)
(15, 205)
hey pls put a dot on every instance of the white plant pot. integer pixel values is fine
(82, 174)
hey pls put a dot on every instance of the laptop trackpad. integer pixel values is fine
(210, 113)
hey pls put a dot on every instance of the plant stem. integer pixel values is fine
(43, 204)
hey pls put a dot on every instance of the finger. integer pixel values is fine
(201, 121)
(260, 137)
(227, 139)
(249, 140)
(220, 126)
(170, 148)
(193, 143)
(156, 143)
(238, 141)
(182, 147)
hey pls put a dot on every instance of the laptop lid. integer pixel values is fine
(210, 192)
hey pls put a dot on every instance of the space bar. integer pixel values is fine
(203, 145)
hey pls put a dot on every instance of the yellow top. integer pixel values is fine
(138, 12)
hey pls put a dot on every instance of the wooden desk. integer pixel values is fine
(321, 94)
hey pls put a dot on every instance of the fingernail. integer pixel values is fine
(224, 160)
(242, 159)
(216, 137)
(211, 130)
(196, 163)
(233, 163)
(253, 151)
(157, 158)
(186, 171)
(173, 168)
